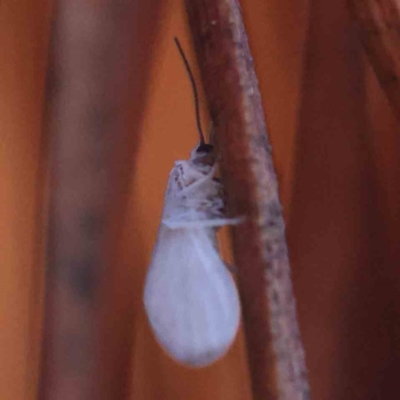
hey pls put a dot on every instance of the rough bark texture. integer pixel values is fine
(274, 346)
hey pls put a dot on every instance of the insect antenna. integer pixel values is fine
(195, 93)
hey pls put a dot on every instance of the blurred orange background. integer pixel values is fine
(335, 145)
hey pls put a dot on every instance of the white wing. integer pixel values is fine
(190, 298)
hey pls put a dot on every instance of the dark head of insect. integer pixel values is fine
(204, 154)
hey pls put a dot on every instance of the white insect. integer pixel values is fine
(190, 297)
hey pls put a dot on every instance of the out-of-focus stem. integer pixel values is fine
(97, 47)
(378, 22)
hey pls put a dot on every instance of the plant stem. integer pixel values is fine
(275, 350)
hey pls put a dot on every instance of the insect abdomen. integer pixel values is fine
(190, 298)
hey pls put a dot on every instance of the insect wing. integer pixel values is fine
(190, 298)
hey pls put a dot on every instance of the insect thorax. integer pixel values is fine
(193, 193)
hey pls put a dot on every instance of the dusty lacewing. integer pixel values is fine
(190, 297)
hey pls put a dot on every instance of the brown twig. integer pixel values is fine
(275, 350)
(379, 25)
(97, 48)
